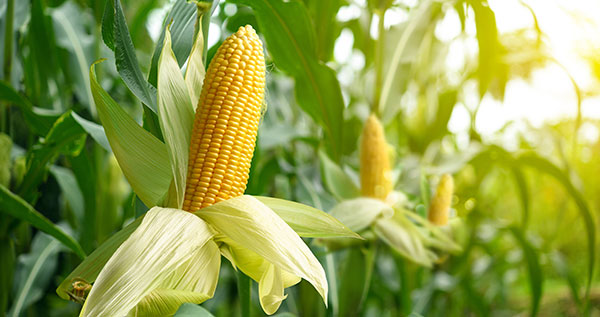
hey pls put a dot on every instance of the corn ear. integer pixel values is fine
(375, 172)
(226, 122)
(439, 208)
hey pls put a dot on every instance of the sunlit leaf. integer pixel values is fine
(487, 39)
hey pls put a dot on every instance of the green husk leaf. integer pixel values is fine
(195, 72)
(360, 213)
(307, 221)
(176, 115)
(438, 237)
(142, 157)
(405, 238)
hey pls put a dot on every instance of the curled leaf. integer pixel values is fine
(255, 227)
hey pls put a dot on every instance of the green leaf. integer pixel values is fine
(192, 310)
(34, 273)
(487, 39)
(66, 137)
(323, 16)
(338, 183)
(108, 25)
(533, 267)
(176, 116)
(523, 193)
(167, 261)
(40, 120)
(70, 190)
(182, 19)
(91, 266)
(291, 39)
(142, 157)
(15, 206)
(543, 165)
(41, 66)
(70, 32)
(127, 63)
(307, 221)
(95, 130)
(566, 272)
(419, 20)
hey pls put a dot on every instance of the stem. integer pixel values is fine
(405, 287)
(244, 284)
(331, 271)
(8, 39)
(7, 66)
(379, 48)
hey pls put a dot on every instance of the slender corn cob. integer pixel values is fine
(226, 122)
(439, 208)
(375, 178)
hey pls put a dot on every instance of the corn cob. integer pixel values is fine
(226, 122)
(375, 178)
(439, 208)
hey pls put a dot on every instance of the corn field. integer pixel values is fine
(299, 158)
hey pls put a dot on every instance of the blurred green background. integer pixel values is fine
(503, 95)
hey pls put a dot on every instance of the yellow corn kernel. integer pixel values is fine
(439, 208)
(375, 178)
(226, 122)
